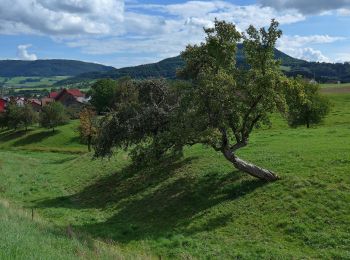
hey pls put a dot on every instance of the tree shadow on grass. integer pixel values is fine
(10, 135)
(35, 138)
(153, 202)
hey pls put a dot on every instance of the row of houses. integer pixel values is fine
(70, 98)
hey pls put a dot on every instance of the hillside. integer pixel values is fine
(198, 207)
(323, 72)
(25, 238)
(48, 68)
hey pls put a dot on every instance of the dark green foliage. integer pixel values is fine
(28, 116)
(18, 116)
(102, 93)
(14, 117)
(141, 113)
(53, 115)
(3, 120)
(306, 105)
(47, 68)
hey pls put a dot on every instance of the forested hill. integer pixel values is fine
(323, 72)
(48, 68)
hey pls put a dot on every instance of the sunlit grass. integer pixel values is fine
(199, 206)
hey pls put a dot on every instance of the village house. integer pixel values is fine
(3, 103)
(70, 98)
(35, 103)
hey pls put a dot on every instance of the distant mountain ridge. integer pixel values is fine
(322, 72)
(48, 68)
(85, 72)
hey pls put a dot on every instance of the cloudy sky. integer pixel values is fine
(130, 32)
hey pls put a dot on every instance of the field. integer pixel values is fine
(335, 85)
(30, 83)
(198, 206)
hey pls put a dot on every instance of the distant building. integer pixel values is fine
(35, 103)
(313, 81)
(46, 100)
(20, 101)
(3, 103)
(53, 95)
(71, 98)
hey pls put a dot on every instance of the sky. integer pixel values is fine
(124, 33)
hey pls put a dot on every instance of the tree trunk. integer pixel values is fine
(89, 143)
(251, 169)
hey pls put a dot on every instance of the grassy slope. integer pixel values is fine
(64, 139)
(200, 206)
(24, 238)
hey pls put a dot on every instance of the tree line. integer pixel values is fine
(22, 117)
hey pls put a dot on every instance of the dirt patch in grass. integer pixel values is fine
(336, 90)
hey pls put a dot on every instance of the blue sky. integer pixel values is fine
(130, 32)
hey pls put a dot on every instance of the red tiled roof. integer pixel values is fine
(2, 105)
(53, 94)
(75, 92)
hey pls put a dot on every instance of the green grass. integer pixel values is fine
(199, 206)
(335, 85)
(27, 237)
(63, 139)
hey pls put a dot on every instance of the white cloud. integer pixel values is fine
(61, 17)
(106, 27)
(170, 28)
(300, 46)
(22, 53)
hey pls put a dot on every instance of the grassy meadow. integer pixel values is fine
(30, 82)
(196, 207)
(25, 238)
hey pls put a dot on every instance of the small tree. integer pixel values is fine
(14, 116)
(28, 116)
(306, 104)
(102, 93)
(53, 115)
(88, 126)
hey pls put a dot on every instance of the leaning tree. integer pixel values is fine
(219, 106)
(225, 102)
(139, 120)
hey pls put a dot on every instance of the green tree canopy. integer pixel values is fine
(53, 115)
(102, 93)
(28, 116)
(14, 116)
(142, 112)
(306, 104)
